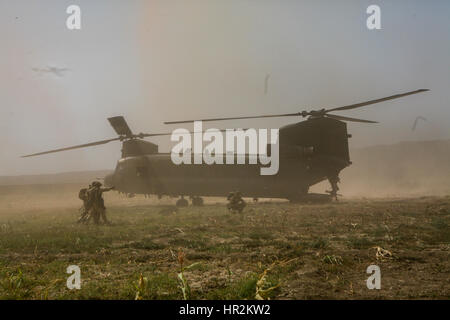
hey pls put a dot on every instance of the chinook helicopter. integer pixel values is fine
(310, 151)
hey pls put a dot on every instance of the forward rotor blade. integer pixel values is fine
(145, 135)
(366, 103)
(120, 126)
(237, 118)
(96, 143)
(333, 116)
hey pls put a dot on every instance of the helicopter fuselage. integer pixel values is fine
(310, 152)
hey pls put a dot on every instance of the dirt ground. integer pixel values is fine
(274, 249)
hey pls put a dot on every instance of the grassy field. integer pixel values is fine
(304, 251)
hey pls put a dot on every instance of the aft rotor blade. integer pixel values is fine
(237, 118)
(366, 103)
(333, 116)
(96, 143)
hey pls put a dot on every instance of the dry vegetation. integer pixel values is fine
(273, 250)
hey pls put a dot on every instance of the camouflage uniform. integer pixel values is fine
(96, 203)
(84, 210)
(236, 203)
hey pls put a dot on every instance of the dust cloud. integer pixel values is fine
(406, 169)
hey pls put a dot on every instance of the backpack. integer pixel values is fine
(82, 194)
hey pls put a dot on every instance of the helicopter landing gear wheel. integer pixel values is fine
(182, 202)
(334, 180)
(197, 201)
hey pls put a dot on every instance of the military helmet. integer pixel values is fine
(96, 184)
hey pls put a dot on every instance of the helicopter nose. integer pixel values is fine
(109, 180)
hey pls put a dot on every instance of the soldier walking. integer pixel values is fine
(93, 203)
(97, 204)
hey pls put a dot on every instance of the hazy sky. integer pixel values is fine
(158, 60)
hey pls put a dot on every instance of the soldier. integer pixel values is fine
(97, 204)
(236, 203)
(84, 210)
